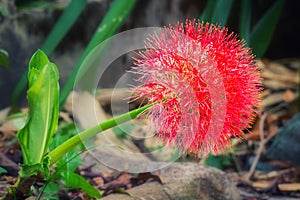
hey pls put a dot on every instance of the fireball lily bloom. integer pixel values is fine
(202, 87)
(203, 84)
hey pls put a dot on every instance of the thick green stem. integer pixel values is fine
(68, 145)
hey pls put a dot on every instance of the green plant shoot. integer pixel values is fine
(41, 124)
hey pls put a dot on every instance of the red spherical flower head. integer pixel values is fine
(204, 85)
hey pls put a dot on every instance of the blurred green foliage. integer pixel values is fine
(31, 4)
(218, 161)
(60, 29)
(119, 9)
(4, 58)
(258, 36)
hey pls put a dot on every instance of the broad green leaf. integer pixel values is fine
(41, 124)
(221, 11)
(263, 31)
(74, 180)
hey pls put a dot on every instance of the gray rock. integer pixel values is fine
(184, 181)
(286, 145)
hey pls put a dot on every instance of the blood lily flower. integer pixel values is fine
(203, 84)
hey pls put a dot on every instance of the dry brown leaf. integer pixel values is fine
(289, 96)
(6, 133)
(265, 93)
(99, 182)
(280, 69)
(278, 72)
(270, 75)
(107, 95)
(261, 64)
(143, 177)
(122, 181)
(263, 184)
(289, 187)
(3, 114)
(65, 116)
(13, 124)
(277, 85)
(254, 136)
(272, 99)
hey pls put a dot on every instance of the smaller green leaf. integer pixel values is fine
(74, 180)
(34, 169)
(3, 58)
(2, 170)
(50, 191)
(30, 170)
(64, 132)
(17, 115)
(69, 162)
(263, 31)
(66, 166)
(19, 122)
